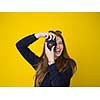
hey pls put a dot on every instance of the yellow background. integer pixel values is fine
(81, 32)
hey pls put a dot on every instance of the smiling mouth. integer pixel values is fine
(58, 51)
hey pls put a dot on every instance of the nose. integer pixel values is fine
(57, 46)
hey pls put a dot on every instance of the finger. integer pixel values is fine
(50, 37)
(45, 44)
(52, 49)
(54, 37)
(46, 35)
(46, 48)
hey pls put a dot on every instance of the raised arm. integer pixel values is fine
(22, 46)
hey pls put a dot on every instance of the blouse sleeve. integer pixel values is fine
(60, 79)
(22, 46)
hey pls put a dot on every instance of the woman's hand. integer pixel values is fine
(49, 54)
(44, 34)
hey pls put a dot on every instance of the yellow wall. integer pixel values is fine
(81, 32)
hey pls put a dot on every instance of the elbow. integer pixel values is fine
(18, 45)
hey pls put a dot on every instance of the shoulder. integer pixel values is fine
(70, 65)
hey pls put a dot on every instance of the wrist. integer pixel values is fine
(51, 62)
(37, 35)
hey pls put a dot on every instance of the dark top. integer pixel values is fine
(53, 78)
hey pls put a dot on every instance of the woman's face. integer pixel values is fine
(59, 47)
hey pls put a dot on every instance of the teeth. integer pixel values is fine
(57, 50)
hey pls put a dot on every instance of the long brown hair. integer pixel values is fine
(61, 62)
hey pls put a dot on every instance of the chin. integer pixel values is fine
(58, 55)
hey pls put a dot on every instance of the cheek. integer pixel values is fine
(61, 47)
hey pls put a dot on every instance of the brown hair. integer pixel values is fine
(61, 62)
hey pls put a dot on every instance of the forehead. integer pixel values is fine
(58, 39)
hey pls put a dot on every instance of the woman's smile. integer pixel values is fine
(59, 47)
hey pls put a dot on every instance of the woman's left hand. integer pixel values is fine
(49, 54)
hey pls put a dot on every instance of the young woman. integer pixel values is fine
(54, 68)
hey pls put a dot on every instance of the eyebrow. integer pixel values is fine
(60, 41)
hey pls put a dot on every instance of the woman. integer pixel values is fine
(54, 68)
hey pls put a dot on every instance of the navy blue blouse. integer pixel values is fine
(53, 78)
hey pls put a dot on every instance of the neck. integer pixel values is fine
(55, 57)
